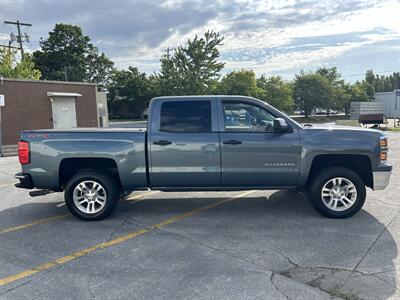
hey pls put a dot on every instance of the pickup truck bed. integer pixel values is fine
(55, 150)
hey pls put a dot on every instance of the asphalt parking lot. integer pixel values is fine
(226, 245)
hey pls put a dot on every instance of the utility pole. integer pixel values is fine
(19, 36)
(66, 73)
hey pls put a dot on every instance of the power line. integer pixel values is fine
(19, 38)
(9, 46)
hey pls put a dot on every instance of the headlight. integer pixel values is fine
(384, 145)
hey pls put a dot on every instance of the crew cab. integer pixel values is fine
(194, 143)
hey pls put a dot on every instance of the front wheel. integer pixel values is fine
(91, 195)
(337, 192)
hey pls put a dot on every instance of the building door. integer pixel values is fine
(64, 114)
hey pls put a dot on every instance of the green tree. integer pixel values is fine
(131, 87)
(369, 90)
(68, 54)
(339, 97)
(98, 68)
(331, 74)
(358, 93)
(168, 81)
(370, 77)
(10, 68)
(381, 83)
(242, 82)
(276, 92)
(312, 90)
(193, 69)
(343, 96)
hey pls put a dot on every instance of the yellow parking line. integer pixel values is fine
(137, 197)
(37, 222)
(68, 258)
(46, 220)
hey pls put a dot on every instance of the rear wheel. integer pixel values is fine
(91, 195)
(337, 192)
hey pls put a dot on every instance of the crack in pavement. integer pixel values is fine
(368, 250)
(162, 231)
(111, 236)
(271, 279)
(41, 274)
(166, 232)
(33, 279)
(382, 202)
(287, 272)
(116, 229)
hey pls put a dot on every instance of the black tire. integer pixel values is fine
(323, 177)
(111, 194)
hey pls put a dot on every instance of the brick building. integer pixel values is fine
(34, 104)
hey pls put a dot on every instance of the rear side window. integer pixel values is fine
(186, 116)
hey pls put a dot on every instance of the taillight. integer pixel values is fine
(23, 152)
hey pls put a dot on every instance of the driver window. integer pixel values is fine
(247, 117)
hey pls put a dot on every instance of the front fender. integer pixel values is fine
(337, 142)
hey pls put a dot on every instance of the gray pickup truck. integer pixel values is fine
(194, 143)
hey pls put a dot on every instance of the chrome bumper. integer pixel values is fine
(381, 179)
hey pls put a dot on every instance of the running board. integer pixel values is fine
(40, 193)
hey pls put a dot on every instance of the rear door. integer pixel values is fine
(252, 154)
(184, 144)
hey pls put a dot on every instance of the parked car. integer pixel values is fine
(323, 111)
(194, 143)
(299, 112)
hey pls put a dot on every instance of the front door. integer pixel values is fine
(64, 114)
(184, 144)
(252, 154)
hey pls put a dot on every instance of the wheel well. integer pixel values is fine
(71, 166)
(361, 164)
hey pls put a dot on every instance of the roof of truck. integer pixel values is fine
(204, 97)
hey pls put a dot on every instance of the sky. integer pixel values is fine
(269, 37)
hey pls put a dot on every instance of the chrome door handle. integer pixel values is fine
(162, 143)
(232, 142)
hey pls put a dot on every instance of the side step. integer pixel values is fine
(40, 193)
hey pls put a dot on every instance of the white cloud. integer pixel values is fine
(267, 36)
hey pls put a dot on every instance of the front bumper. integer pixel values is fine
(25, 181)
(381, 179)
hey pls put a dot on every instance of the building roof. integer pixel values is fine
(47, 81)
(62, 94)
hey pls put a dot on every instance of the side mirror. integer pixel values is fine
(280, 125)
